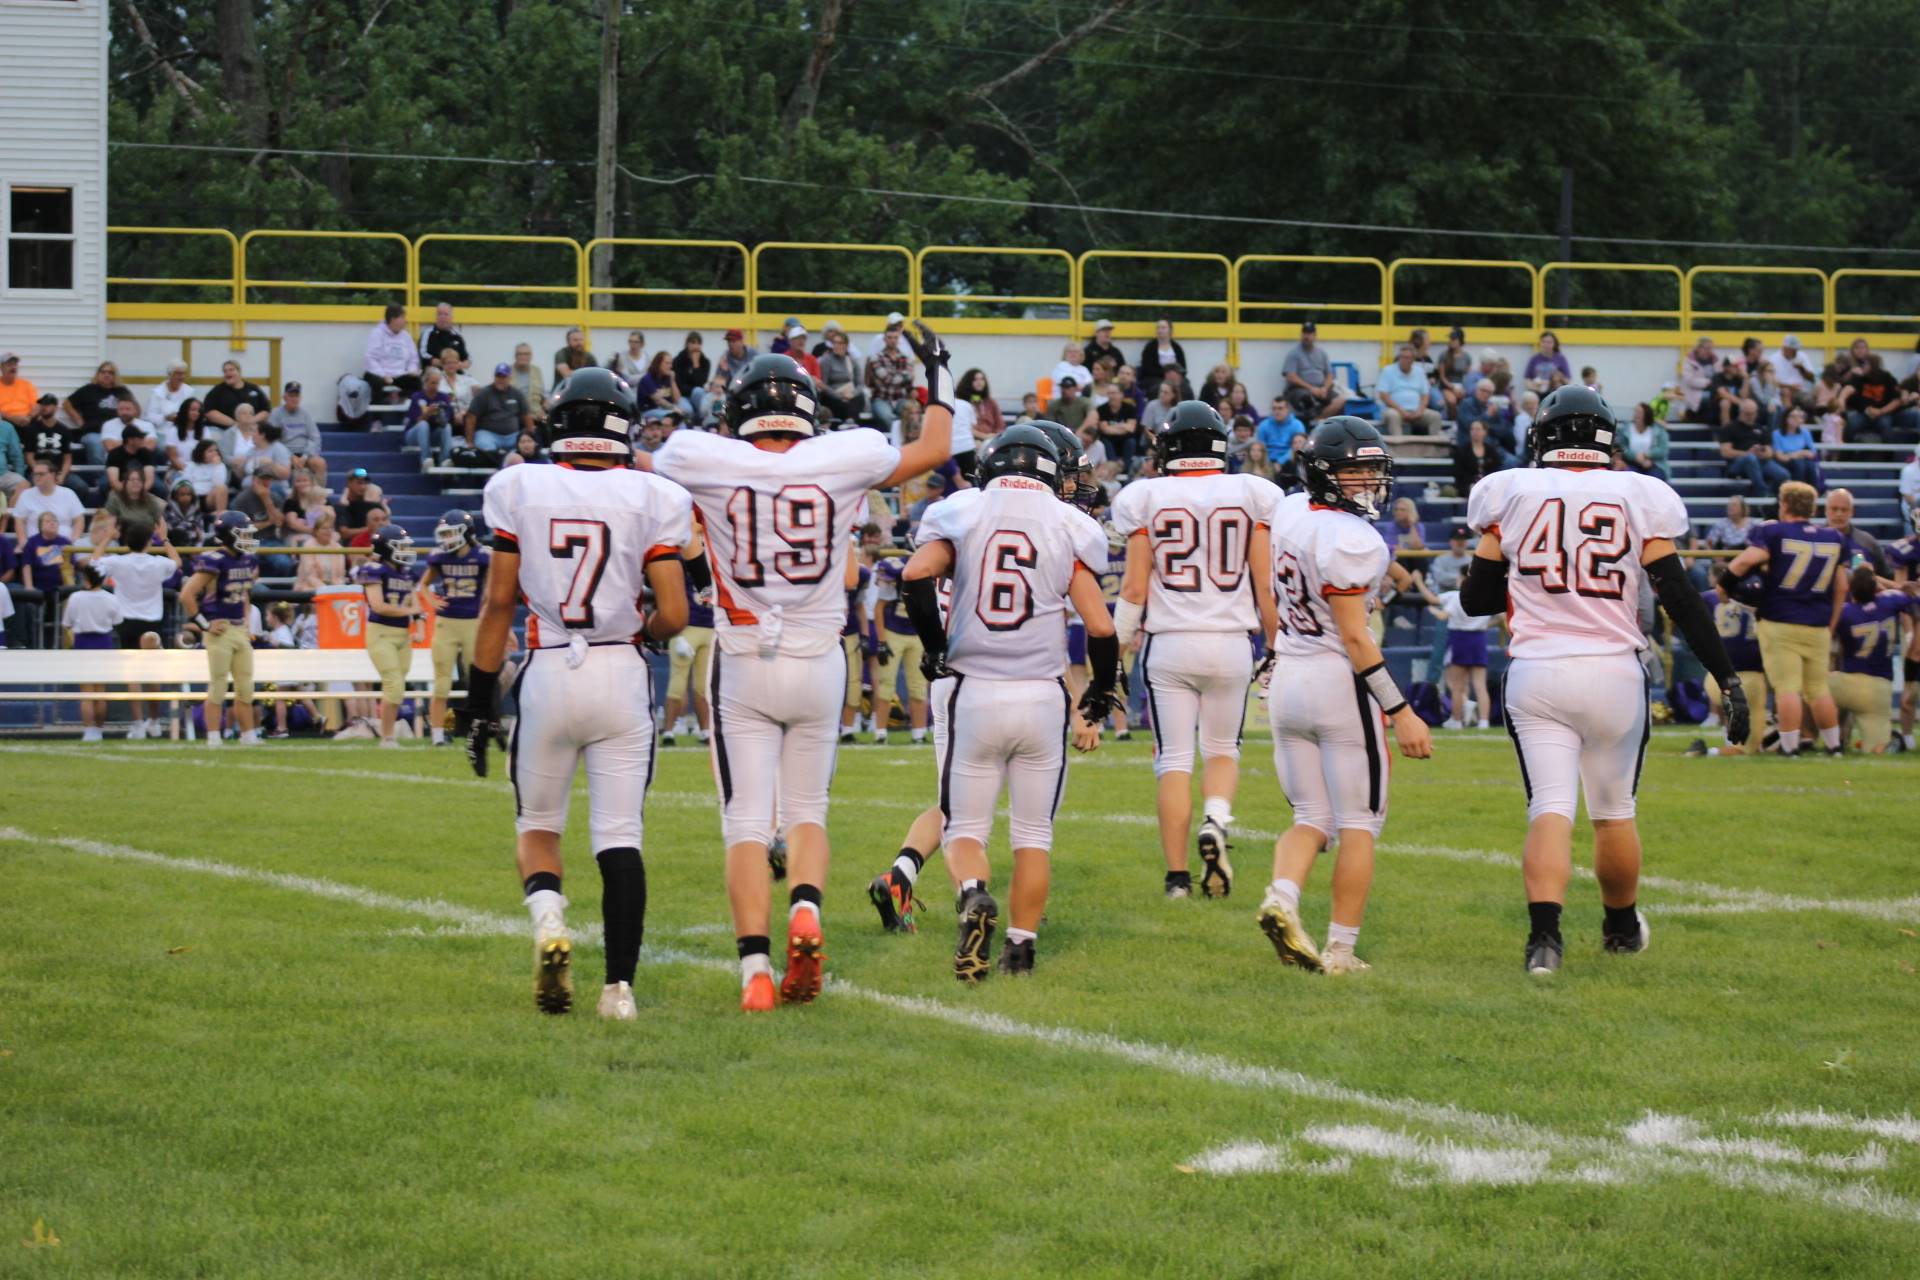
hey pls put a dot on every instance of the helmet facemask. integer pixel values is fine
(450, 537)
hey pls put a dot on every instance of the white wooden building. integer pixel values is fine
(53, 179)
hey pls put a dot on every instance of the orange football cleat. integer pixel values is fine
(757, 995)
(806, 956)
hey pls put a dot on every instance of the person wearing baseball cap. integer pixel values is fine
(1309, 374)
(897, 326)
(1101, 345)
(797, 349)
(1795, 376)
(299, 433)
(498, 414)
(17, 394)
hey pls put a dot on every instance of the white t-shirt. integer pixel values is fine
(91, 612)
(963, 420)
(1014, 553)
(778, 527)
(162, 404)
(1459, 619)
(1078, 372)
(585, 539)
(1783, 371)
(30, 502)
(1573, 540)
(138, 581)
(1319, 553)
(1199, 525)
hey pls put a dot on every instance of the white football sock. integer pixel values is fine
(1020, 935)
(439, 737)
(918, 735)
(1286, 893)
(798, 907)
(750, 965)
(1347, 933)
(1219, 810)
(908, 872)
(968, 886)
(1789, 741)
(544, 902)
(1830, 738)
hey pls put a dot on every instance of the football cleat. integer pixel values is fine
(666, 739)
(777, 857)
(1338, 958)
(895, 903)
(552, 966)
(806, 955)
(1282, 926)
(1543, 955)
(979, 913)
(1216, 879)
(1016, 959)
(616, 1002)
(1627, 944)
(758, 995)
(1698, 747)
(1179, 884)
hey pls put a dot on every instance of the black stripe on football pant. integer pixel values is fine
(953, 741)
(1153, 705)
(1506, 714)
(721, 766)
(513, 739)
(1066, 727)
(1646, 727)
(1369, 722)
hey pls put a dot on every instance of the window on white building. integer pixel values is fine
(40, 242)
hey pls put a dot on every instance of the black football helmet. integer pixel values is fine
(454, 531)
(593, 414)
(1074, 471)
(1023, 449)
(393, 545)
(1193, 438)
(1345, 443)
(1573, 428)
(234, 531)
(772, 396)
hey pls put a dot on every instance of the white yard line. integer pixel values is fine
(1652, 1147)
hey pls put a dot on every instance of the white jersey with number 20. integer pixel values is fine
(1573, 541)
(1200, 526)
(1320, 552)
(584, 539)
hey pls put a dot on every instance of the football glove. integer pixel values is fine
(933, 665)
(934, 355)
(1734, 713)
(878, 652)
(1096, 704)
(476, 720)
(1263, 673)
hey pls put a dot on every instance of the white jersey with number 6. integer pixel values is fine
(1014, 552)
(1573, 540)
(777, 527)
(1200, 526)
(584, 539)
(1320, 552)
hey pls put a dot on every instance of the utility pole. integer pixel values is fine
(1563, 296)
(605, 151)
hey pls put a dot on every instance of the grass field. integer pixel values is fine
(269, 1014)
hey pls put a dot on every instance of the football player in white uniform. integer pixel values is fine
(1581, 539)
(778, 504)
(1331, 694)
(580, 542)
(1191, 533)
(1017, 557)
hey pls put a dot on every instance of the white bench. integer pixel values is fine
(180, 671)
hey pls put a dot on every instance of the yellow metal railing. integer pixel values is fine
(185, 342)
(1383, 304)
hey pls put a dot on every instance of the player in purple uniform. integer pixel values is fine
(1734, 620)
(391, 581)
(1904, 556)
(689, 661)
(217, 597)
(451, 587)
(1869, 631)
(861, 642)
(1806, 584)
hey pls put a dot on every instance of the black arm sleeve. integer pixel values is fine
(1103, 655)
(923, 610)
(699, 573)
(1483, 591)
(1689, 613)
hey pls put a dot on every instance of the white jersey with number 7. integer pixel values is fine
(1573, 541)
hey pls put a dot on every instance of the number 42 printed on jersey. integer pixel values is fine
(1582, 555)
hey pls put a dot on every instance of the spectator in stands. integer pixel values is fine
(738, 352)
(89, 407)
(529, 381)
(1764, 391)
(272, 459)
(1697, 370)
(1476, 457)
(1724, 391)
(890, 379)
(1547, 368)
(47, 497)
(1401, 390)
(429, 421)
(42, 552)
(713, 409)
(1791, 372)
(1876, 407)
(1794, 448)
(1747, 453)
(314, 572)
(1161, 353)
(390, 364)
(136, 503)
(497, 415)
(1101, 344)
(1309, 375)
(1481, 407)
(191, 425)
(186, 517)
(1259, 462)
(299, 432)
(131, 457)
(1644, 445)
(1910, 482)
(1451, 369)
(47, 441)
(165, 398)
(1161, 408)
(224, 401)
(1068, 407)
(841, 377)
(1129, 383)
(441, 337)
(657, 387)
(525, 449)
(458, 386)
(692, 371)
(378, 518)
(1404, 535)
(302, 507)
(1857, 540)
(356, 506)
(1277, 431)
(986, 411)
(238, 442)
(1114, 422)
(631, 364)
(1073, 364)
(1216, 388)
(782, 344)
(1240, 438)
(1830, 398)
(896, 325)
(17, 394)
(1030, 408)
(1239, 404)
(574, 355)
(797, 349)
(258, 504)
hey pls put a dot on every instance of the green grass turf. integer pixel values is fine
(213, 1076)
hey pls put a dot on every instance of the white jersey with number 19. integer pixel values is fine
(584, 539)
(1573, 541)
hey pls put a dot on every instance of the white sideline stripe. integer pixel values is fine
(1720, 1165)
(1724, 900)
(1678, 1133)
(1900, 1128)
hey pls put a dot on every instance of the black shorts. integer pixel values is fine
(130, 631)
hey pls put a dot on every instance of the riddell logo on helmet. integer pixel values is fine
(1018, 482)
(776, 422)
(1597, 457)
(1369, 451)
(588, 444)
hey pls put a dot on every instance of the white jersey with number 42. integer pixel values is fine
(1320, 552)
(777, 529)
(1573, 541)
(1200, 526)
(1014, 552)
(584, 540)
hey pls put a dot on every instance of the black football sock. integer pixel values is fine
(906, 867)
(1622, 922)
(753, 944)
(1545, 919)
(540, 880)
(623, 909)
(1179, 879)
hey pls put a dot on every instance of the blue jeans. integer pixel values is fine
(417, 435)
(1805, 470)
(1763, 476)
(492, 441)
(1900, 426)
(94, 448)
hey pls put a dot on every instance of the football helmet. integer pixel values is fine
(1023, 449)
(1346, 443)
(772, 396)
(232, 530)
(593, 415)
(393, 545)
(1573, 428)
(454, 531)
(1074, 471)
(1193, 438)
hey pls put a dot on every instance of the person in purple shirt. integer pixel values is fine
(1806, 582)
(857, 637)
(391, 580)
(689, 660)
(1735, 622)
(217, 597)
(1547, 368)
(1869, 631)
(903, 651)
(451, 588)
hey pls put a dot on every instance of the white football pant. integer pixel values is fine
(600, 711)
(776, 727)
(1196, 681)
(1011, 731)
(1579, 723)
(1329, 745)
